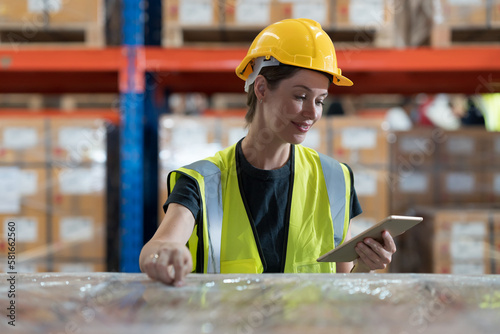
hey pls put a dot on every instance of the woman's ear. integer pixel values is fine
(260, 86)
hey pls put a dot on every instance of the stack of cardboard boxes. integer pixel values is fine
(231, 16)
(53, 184)
(438, 174)
(363, 144)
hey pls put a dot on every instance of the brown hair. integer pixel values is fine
(274, 75)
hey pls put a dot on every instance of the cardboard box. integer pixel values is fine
(359, 140)
(79, 212)
(495, 13)
(467, 149)
(459, 13)
(462, 187)
(29, 233)
(38, 13)
(415, 149)
(22, 191)
(260, 13)
(186, 139)
(191, 13)
(463, 242)
(77, 141)
(411, 189)
(491, 187)
(372, 189)
(22, 140)
(364, 13)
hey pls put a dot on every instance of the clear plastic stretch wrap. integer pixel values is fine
(274, 303)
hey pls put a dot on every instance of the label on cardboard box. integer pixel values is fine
(467, 248)
(74, 229)
(366, 12)
(26, 228)
(29, 182)
(365, 183)
(414, 145)
(80, 141)
(414, 183)
(10, 191)
(42, 6)
(315, 10)
(465, 2)
(468, 268)
(19, 138)
(460, 183)
(313, 139)
(470, 229)
(81, 181)
(188, 134)
(196, 12)
(467, 241)
(460, 145)
(355, 138)
(256, 12)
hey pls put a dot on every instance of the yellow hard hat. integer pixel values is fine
(297, 42)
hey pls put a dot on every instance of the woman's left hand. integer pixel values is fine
(375, 255)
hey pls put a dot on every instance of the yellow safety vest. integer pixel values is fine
(224, 241)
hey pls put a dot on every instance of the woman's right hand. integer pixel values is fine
(170, 263)
(165, 257)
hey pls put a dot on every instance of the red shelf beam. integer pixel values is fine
(455, 70)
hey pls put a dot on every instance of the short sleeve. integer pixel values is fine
(185, 193)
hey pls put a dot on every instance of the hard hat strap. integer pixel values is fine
(259, 63)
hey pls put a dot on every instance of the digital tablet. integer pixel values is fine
(395, 225)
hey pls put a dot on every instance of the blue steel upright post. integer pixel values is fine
(132, 88)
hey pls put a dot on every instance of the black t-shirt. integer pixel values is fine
(268, 191)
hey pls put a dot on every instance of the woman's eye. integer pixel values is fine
(300, 97)
(320, 103)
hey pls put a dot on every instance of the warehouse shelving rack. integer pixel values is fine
(140, 72)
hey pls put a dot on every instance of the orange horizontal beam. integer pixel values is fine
(193, 59)
(112, 115)
(464, 59)
(226, 59)
(210, 70)
(57, 60)
(459, 59)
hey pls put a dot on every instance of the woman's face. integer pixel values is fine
(292, 108)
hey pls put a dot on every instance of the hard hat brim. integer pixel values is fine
(340, 80)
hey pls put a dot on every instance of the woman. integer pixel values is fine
(267, 204)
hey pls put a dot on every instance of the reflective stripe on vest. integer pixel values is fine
(213, 201)
(336, 188)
